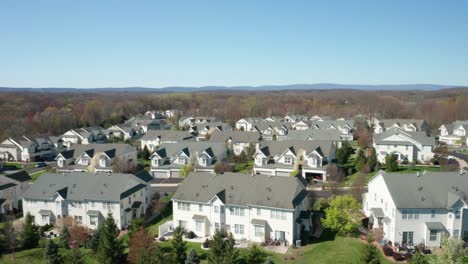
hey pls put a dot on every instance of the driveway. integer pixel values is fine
(462, 159)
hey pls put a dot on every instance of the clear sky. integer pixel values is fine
(100, 43)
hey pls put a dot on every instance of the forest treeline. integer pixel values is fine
(34, 113)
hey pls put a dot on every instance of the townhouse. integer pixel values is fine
(251, 207)
(420, 207)
(282, 158)
(193, 120)
(95, 158)
(454, 133)
(28, 149)
(407, 146)
(124, 131)
(248, 123)
(12, 187)
(170, 158)
(85, 135)
(144, 123)
(204, 131)
(154, 138)
(237, 141)
(273, 130)
(316, 134)
(345, 127)
(410, 125)
(87, 198)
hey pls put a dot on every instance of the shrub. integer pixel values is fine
(397, 256)
(321, 204)
(207, 243)
(388, 251)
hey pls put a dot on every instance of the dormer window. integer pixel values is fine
(287, 160)
(155, 162)
(102, 162)
(203, 161)
(181, 160)
(313, 162)
(84, 161)
(60, 162)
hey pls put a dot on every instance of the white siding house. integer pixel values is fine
(418, 208)
(251, 207)
(407, 146)
(87, 198)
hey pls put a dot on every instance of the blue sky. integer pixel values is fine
(69, 43)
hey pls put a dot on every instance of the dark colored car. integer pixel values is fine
(40, 164)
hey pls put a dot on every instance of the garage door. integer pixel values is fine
(161, 174)
(283, 173)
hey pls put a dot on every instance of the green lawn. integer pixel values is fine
(413, 169)
(339, 250)
(244, 167)
(36, 256)
(144, 161)
(16, 165)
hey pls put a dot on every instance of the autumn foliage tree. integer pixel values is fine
(142, 246)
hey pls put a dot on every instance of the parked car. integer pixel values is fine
(40, 165)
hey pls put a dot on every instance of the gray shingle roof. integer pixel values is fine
(389, 122)
(84, 186)
(236, 136)
(419, 136)
(168, 135)
(242, 189)
(77, 150)
(275, 148)
(314, 134)
(429, 190)
(170, 149)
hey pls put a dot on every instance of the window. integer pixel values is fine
(217, 226)
(259, 211)
(45, 219)
(279, 215)
(108, 205)
(183, 224)
(199, 226)
(456, 233)
(181, 160)
(237, 211)
(183, 206)
(406, 147)
(78, 218)
(433, 235)
(457, 214)
(239, 229)
(375, 196)
(129, 200)
(92, 204)
(313, 162)
(433, 212)
(258, 231)
(408, 237)
(216, 209)
(92, 220)
(410, 214)
(287, 160)
(200, 208)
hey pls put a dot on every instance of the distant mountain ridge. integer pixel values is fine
(292, 87)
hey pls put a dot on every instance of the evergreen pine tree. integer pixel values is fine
(110, 247)
(51, 253)
(391, 163)
(30, 235)
(95, 238)
(74, 256)
(372, 160)
(146, 153)
(217, 251)
(231, 254)
(269, 260)
(179, 247)
(192, 257)
(255, 255)
(65, 237)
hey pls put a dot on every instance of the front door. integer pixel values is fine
(280, 235)
(408, 237)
